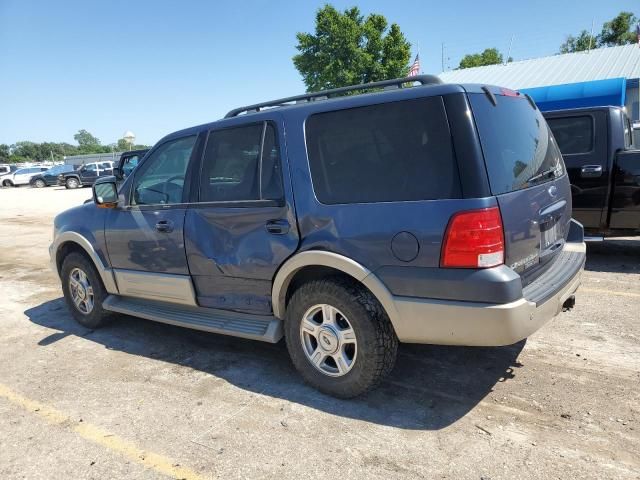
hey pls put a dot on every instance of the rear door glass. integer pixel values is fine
(518, 146)
(383, 153)
(573, 134)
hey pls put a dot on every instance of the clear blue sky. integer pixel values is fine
(157, 66)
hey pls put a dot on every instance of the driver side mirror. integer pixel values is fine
(105, 194)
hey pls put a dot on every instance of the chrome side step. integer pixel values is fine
(593, 239)
(255, 327)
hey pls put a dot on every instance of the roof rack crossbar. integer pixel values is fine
(308, 97)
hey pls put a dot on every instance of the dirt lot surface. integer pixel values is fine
(145, 400)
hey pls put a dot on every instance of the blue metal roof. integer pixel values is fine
(580, 94)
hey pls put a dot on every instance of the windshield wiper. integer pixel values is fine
(549, 172)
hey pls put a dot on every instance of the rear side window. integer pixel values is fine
(573, 134)
(383, 153)
(519, 149)
(242, 164)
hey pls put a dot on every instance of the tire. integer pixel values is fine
(39, 183)
(72, 183)
(7, 183)
(357, 312)
(96, 316)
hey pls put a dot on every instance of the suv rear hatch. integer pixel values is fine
(526, 175)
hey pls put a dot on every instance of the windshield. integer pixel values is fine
(518, 146)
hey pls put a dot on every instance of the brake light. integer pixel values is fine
(509, 93)
(474, 239)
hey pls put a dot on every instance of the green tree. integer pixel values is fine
(490, 56)
(4, 152)
(618, 31)
(583, 41)
(347, 49)
(85, 139)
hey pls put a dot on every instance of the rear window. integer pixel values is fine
(573, 134)
(383, 153)
(518, 146)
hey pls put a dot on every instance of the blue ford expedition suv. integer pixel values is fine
(427, 213)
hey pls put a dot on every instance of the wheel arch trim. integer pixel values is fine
(339, 262)
(106, 274)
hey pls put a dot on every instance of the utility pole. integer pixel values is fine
(443, 56)
(590, 35)
(506, 60)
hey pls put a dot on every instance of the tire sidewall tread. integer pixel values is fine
(376, 339)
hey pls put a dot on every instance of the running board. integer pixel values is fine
(255, 327)
(593, 239)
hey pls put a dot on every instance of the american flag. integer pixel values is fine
(415, 68)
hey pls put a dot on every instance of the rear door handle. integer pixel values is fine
(590, 171)
(164, 226)
(278, 227)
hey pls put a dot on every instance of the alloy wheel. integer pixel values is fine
(328, 340)
(81, 291)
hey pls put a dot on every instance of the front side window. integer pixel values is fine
(573, 134)
(390, 152)
(92, 167)
(242, 164)
(161, 179)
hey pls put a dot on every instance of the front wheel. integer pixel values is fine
(339, 337)
(72, 183)
(83, 291)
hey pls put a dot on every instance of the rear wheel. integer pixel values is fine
(83, 291)
(39, 183)
(339, 337)
(7, 183)
(72, 183)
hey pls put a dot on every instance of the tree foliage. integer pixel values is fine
(617, 31)
(32, 152)
(347, 49)
(490, 56)
(583, 41)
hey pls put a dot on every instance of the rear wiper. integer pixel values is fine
(549, 172)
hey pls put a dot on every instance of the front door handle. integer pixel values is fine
(164, 226)
(591, 171)
(278, 227)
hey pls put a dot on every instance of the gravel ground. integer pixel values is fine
(144, 400)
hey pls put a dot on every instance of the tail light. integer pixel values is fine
(474, 239)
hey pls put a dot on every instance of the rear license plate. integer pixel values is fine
(549, 236)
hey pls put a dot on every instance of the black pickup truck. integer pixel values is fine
(604, 168)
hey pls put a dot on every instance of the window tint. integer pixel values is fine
(518, 147)
(160, 179)
(383, 153)
(271, 180)
(231, 168)
(573, 134)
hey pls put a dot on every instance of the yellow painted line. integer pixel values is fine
(97, 435)
(611, 292)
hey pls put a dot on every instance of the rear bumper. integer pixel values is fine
(445, 322)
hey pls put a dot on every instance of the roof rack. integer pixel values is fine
(324, 94)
